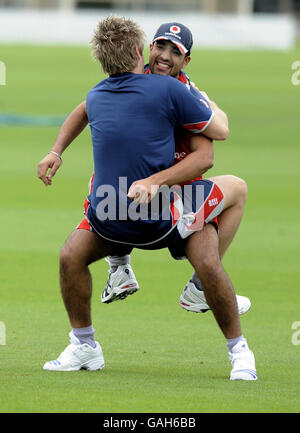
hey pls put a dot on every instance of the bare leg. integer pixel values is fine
(80, 250)
(217, 286)
(235, 196)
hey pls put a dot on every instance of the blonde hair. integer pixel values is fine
(114, 44)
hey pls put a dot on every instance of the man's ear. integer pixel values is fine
(151, 47)
(137, 50)
(186, 62)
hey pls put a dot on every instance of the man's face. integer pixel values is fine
(166, 59)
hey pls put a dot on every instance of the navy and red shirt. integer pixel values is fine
(132, 119)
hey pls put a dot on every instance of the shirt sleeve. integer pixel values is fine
(191, 110)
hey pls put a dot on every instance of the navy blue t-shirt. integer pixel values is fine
(132, 119)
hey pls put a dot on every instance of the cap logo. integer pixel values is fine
(175, 29)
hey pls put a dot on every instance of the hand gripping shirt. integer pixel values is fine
(132, 119)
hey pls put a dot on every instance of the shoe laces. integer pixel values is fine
(119, 276)
(69, 350)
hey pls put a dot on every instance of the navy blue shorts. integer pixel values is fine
(188, 215)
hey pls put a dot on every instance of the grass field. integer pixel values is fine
(159, 358)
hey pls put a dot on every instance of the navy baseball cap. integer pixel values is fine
(177, 33)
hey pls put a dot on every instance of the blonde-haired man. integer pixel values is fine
(108, 44)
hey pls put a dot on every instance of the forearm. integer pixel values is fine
(71, 128)
(191, 167)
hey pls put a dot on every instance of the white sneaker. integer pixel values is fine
(192, 299)
(77, 356)
(243, 362)
(120, 284)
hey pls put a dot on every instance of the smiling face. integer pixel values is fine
(166, 59)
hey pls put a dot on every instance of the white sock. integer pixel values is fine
(231, 342)
(115, 261)
(85, 335)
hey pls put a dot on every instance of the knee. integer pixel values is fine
(240, 188)
(66, 258)
(243, 189)
(208, 268)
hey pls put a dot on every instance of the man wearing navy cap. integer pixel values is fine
(170, 50)
(169, 54)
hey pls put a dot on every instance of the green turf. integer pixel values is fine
(159, 358)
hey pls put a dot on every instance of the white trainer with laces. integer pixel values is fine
(77, 356)
(243, 362)
(192, 299)
(120, 284)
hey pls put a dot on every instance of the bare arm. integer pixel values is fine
(192, 166)
(71, 128)
(218, 128)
